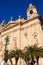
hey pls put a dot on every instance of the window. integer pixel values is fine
(31, 11)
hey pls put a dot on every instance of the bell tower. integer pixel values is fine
(32, 12)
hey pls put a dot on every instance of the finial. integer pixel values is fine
(19, 16)
(11, 18)
(3, 21)
(30, 5)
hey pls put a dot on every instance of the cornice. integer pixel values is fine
(21, 23)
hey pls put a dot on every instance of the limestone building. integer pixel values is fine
(21, 32)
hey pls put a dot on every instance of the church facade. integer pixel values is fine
(21, 32)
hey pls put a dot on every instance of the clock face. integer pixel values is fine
(31, 11)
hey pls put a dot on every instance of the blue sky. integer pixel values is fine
(14, 8)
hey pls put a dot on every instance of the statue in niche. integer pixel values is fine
(35, 37)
